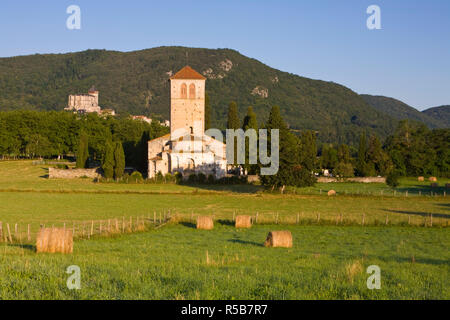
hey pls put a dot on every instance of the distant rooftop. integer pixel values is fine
(188, 73)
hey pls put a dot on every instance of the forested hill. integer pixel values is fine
(400, 110)
(441, 113)
(137, 83)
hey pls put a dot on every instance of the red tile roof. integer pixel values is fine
(188, 73)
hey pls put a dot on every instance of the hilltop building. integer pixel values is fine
(87, 103)
(187, 149)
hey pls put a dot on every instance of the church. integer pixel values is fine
(187, 149)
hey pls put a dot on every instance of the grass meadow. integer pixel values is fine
(328, 260)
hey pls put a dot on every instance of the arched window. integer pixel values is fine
(184, 91)
(192, 91)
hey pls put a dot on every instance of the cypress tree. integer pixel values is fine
(207, 112)
(233, 117)
(108, 161)
(362, 152)
(250, 123)
(119, 161)
(83, 151)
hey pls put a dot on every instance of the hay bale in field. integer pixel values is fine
(54, 240)
(243, 222)
(331, 193)
(434, 185)
(433, 179)
(205, 223)
(421, 179)
(279, 239)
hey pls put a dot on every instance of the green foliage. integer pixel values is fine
(207, 112)
(136, 177)
(344, 170)
(83, 150)
(108, 161)
(415, 150)
(290, 172)
(250, 123)
(392, 179)
(233, 117)
(308, 150)
(119, 161)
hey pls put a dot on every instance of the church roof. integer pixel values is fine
(188, 73)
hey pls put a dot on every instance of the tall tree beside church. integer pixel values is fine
(250, 123)
(82, 150)
(233, 123)
(119, 161)
(233, 116)
(108, 161)
(207, 112)
(290, 172)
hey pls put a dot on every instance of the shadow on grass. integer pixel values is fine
(23, 246)
(189, 225)
(45, 176)
(256, 244)
(419, 213)
(446, 205)
(236, 188)
(226, 223)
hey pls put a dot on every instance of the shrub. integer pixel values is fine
(178, 177)
(136, 177)
(192, 178)
(201, 178)
(211, 179)
(392, 179)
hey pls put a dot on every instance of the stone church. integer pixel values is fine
(187, 149)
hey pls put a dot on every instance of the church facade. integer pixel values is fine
(187, 149)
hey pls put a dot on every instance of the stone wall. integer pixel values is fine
(54, 173)
(357, 179)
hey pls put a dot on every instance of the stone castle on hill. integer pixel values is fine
(187, 149)
(87, 103)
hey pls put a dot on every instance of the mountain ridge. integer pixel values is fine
(136, 82)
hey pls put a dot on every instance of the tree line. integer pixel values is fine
(412, 150)
(88, 138)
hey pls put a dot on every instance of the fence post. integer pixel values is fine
(117, 225)
(9, 233)
(154, 217)
(28, 233)
(363, 219)
(298, 218)
(92, 228)
(131, 224)
(256, 219)
(387, 219)
(1, 230)
(123, 224)
(431, 219)
(409, 220)
(277, 219)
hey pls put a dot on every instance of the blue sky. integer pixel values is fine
(408, 59)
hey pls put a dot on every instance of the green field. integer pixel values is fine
(171, 262)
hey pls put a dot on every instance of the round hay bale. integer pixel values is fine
(279, 239)
(205, 223)
(54, 240)
(433, 179)
(331, 193)
(434, 185)
(420, 179)
(243, 222)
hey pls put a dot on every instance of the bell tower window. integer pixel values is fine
(192, 91)
(184, 91)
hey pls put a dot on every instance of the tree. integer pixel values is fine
(83, 151)
(119, 161)
(207, 112)
(233, 117)
(108, 161)
(308, 150)
(290, 171)
(362, 154)
(250, 123)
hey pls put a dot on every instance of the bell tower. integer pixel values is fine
(187, 103)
